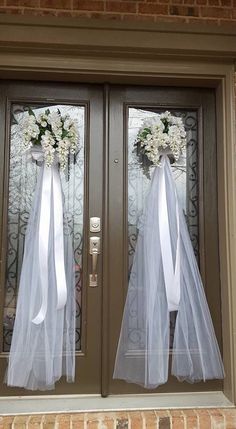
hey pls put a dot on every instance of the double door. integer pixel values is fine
(105, 187)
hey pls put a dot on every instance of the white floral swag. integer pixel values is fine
(56, 134)
(160, 133)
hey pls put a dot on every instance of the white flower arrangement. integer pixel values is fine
(163, 134)
(56, 134)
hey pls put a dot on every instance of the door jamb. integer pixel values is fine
(188, 69)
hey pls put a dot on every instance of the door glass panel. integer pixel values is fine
(139, 175)
(22, 180)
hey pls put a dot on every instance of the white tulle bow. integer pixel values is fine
(165, 277)
(51, 208)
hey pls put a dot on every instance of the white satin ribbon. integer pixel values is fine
(59, 239)
(51, 205)
(171, 271)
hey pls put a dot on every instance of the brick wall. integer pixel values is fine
(215, 11)
(174, 419)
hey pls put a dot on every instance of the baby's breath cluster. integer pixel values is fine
(56, 134)
(163, 132)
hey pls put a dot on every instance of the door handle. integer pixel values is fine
(94, 250)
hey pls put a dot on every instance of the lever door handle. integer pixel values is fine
(94, 264)
(94, 250)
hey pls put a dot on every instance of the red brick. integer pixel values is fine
(92, 5)
(201, 2)
(177, 419)
(77, 417)
(177, 423)
(39, 12)
(122, 415)
(150, 8)
(55, 4)
(162, 413)
(204, 419)
(177, 1)
(35, 422)
(108, 424)
(163, 418)
(92, 424)
(61, 422)
(7, 422)
(150, 420)
(93, 420)
(230, 418)
(49, 421)
(122, 424)
(122, 420)
(136, 420)
(217, 419)
(164, 423)
(184, 10)
(189, 2)
(126, 7)
(214, 2)
(77, 424)
(191, 421)
(20, 422)
(23, 3)
(216, 12)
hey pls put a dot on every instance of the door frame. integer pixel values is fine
(91, 51)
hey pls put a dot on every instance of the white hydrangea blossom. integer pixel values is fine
(160, 133)
(30, 130)
(47, 143)
(56, 134)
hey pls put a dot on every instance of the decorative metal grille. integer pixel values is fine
(22, 181)
(139, 175)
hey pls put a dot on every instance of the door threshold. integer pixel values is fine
(88, 403)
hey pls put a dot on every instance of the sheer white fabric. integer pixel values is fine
(41, 353)
(143, 357)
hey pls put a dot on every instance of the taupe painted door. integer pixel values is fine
(106, 181)
(196, 181)
(83, 187)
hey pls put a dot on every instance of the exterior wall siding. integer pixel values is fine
(188, 11)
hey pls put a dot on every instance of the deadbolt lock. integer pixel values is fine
(95, 224)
